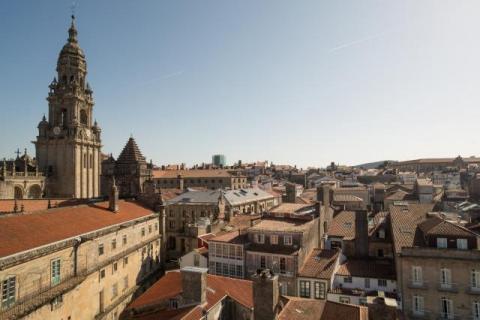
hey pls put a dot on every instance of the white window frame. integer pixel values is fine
(442, 243)
(417, 275)
(287, 240)
(462, 244)
(418, 305)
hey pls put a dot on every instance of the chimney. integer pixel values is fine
(180, 182)
(194, 284)
(113, 198)
(265, 294)
(291, 194)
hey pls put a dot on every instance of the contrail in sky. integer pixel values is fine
(358, 41)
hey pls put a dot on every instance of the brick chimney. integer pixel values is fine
(265, 294)
(194, 284)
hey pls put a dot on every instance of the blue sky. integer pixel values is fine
(305, 82)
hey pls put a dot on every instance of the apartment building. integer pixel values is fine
(80, 262)
(438, 264)
(226, 253)
(282, 245)
(199, 178)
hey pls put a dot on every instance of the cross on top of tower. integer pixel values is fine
(18, 153)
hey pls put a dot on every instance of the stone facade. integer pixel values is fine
(131, 171)
(90, 277)
(21, 179)
(68, 143)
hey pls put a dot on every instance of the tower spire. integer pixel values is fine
(72, 32)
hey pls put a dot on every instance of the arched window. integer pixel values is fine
(18, 192)
(83, 117)
(35, 192)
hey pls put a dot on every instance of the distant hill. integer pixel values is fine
(372, 165)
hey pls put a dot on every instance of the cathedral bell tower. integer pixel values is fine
(68, 143)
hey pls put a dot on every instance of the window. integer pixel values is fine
(124, 239)
(8, 291)
(56, 302)
(287, 240)
(445, 277)
(225, 269)
(260, 238)
(150, 229)
(101, 301)
(347, 279)
(125, 261)
(240, 271)
(344, 300)
(156, 226)
(283, 288)
(475, 279)
(143, 232)
(462, 244)
(283, 265)
(442, 243)
(100, 249)
(446, 311)
(304, 289)
(55, 270)
(125, 283)
(382, 283)
(171, 224)
(114, 267)
(114, 244)
(173, 303)
(101, 275)
(232, 270)
(319, 290)
(218, 268)
(367, 283)
(476, 310)
(417, 275)
(380, 253)
(381, 234)
(273, 239)
(262, 262)
(417, 305)
(114, 291)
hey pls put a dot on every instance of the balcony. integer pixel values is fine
(425, 314)
(447, 287)
(448, 316)
(417, 284)
(473, 290)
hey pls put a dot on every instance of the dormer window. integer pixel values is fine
(287, 240)
(260, 238)
(462, 244)
(173, 303)
(442, 243)
(381, 234)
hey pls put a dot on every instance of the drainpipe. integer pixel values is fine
(76, 243)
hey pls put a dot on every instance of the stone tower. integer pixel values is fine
(131, 170)
(68, 143)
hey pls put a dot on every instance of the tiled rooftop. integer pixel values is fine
(343, 225)
(367, 268)
(320, 264)
(28, 231)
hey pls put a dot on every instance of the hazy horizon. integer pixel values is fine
(302, 83)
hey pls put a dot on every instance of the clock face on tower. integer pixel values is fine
(56, 131)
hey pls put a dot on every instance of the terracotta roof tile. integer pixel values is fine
(365, 268)
(170, 286)
(404, 220)
(194, 173)
(31, 205)
(320, 264)
(28, 231)
(343, 225)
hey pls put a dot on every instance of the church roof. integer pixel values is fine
(131, 153)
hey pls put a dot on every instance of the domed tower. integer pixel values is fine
(68, 143)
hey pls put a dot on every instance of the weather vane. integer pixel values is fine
(73, 7)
